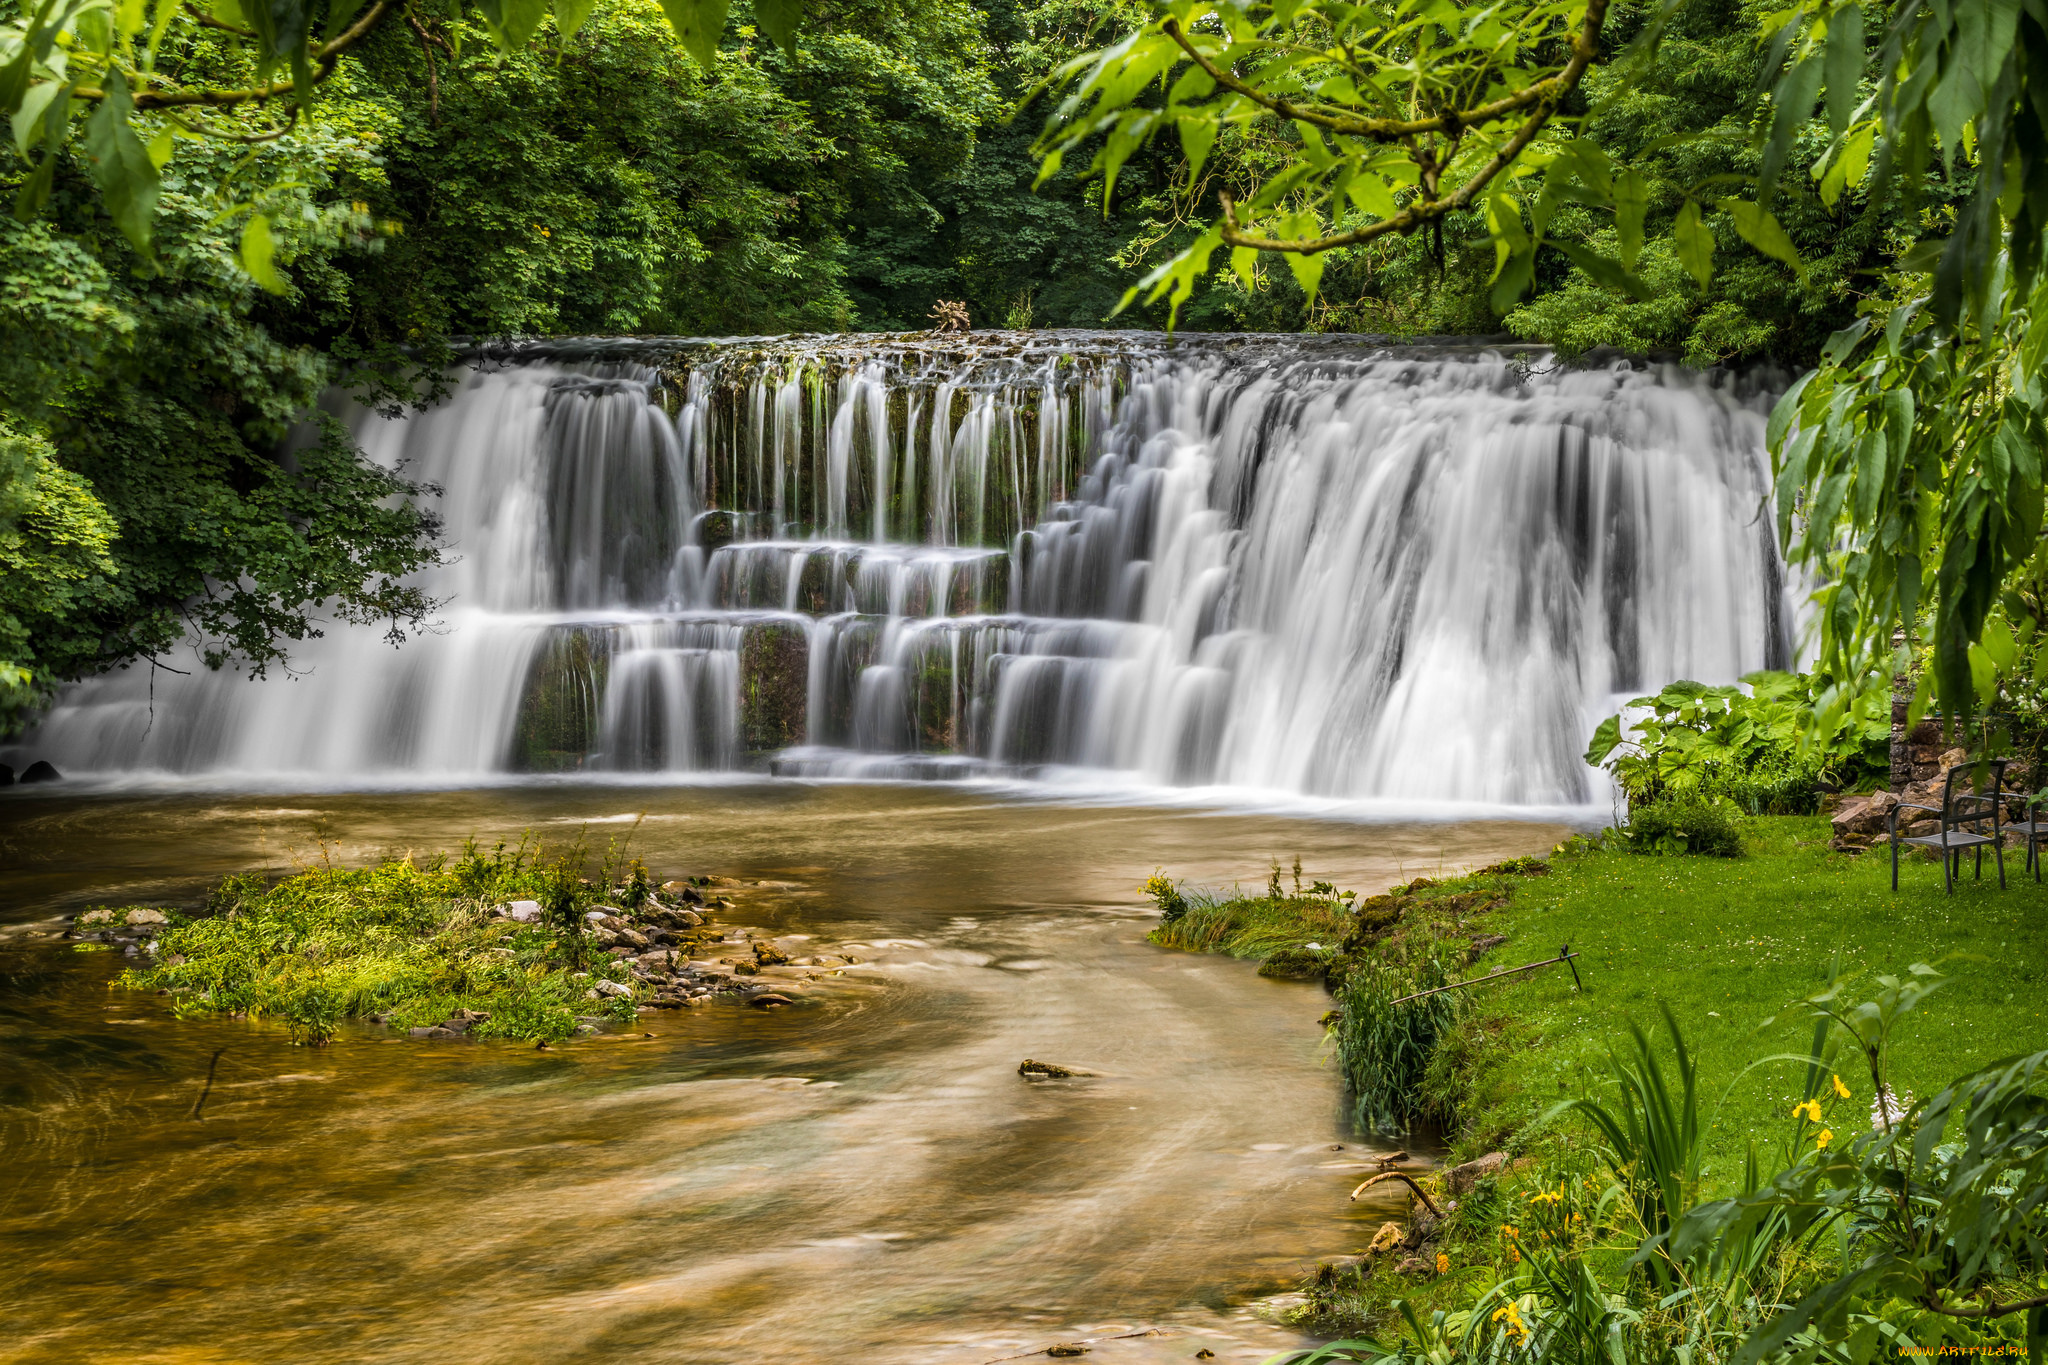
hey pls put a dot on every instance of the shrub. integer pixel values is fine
(1704, 827)
(1759, 748)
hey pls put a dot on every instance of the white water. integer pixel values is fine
(1318, 567)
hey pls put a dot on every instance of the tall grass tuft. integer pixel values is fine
(1385, 1047)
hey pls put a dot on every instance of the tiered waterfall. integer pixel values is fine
(1317, 566)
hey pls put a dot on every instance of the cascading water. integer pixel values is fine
(1320, 566)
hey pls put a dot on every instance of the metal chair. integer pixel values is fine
(1963, 814)
(2035, 826)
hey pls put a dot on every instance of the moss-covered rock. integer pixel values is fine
(562, 701)
(774, 676)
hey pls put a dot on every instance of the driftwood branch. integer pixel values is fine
(1402, 1176)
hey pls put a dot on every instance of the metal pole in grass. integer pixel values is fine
(1564, 955)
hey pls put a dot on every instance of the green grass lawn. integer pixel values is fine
(1726, 943)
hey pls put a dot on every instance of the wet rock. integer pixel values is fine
(745, 969)
(1067, 1348)
(769, 999)
(433, 1031)
(612, 988)
(1459, 1179)
(138, 918)
(95, 919)
(1386, 1239)
(768, 955)
(1049, 1070)
(40, 771)
(525, 912)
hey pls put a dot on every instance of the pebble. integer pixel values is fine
(526, 912)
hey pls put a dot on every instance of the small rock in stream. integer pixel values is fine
(769, 999)
(1048, 1070)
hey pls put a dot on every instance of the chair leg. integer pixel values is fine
(1998, 852)
(1895, 861)
(1949, 871)
(1980, 862)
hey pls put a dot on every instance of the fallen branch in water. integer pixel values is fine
(1399, 1175)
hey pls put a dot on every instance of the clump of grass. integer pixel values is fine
(1387, 1048)
(407, 942)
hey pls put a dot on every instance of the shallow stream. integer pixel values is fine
(864, 1176)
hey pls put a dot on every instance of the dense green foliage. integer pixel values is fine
(1758, 745)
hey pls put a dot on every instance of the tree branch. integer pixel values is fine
(1585, 46)
(1992, 1309)
(324, 58)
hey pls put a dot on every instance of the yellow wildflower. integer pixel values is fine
(1841, 1091)
(1827, 1135)
(1443, 1264)
(1547, 1196)
(1510, 1230)
(1808, 1110)
(1513, 1315)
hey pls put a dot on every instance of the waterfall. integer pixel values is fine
(1319, 566)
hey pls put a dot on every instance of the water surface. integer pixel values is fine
(861, 1177)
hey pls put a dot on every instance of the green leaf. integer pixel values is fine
(1197, 136)
(1606, 740)
(160, 148)
(1516, 275)
(1695, 243)
(35, 192)
(512, 23)
(1372, 195)
(1983, 675)
(571, 15)
(259, 254)
(699, 24)
(1999, 644)
(1631, 200)
(1605, 272)
(1844, 63)
(339, 13)
(34, 105)
(1307, 267)
(1760, 228)
(779, 19)
(121, 166)
(1245, 261)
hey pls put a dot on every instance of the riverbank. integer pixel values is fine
(1726, 944)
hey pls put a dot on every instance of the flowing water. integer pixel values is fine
(862, 1177)
(1311, 567)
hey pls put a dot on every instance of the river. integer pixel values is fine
(863, 1177)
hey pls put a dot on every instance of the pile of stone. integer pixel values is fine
(679, 959)
(132, 931)
(1860, 822)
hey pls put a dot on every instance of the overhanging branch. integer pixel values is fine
(323, 59)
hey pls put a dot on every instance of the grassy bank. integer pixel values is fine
(403, 944)
(1724, 943)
